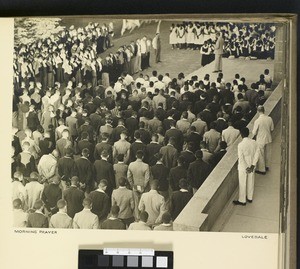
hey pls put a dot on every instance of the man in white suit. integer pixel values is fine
(218, 52)
(153, 203)
(85, 219)
(263, 128)
(248, 153)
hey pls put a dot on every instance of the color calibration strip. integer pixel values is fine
(114, 258)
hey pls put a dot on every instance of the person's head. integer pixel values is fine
(267, 71)
(183, 184)
(166, 218)
(62, 205)
(213, 125)
(223, 145)
(154, 184)
(181, 161)
(74, 181)
(105, 136)
(38, 205)
(56, 180)
(103, 184)
(87, 203)
(142, 125)
(172, 140)
(18, 176)
(240, 96)
(199, 155)
(261, 109)
(25, 146)
(122, 181)
(104, 154)
(17, 204)
(154, 73)
(139, 154)
(85, 136)
(144, 216)
(85, 152)
(115, 211)
(69, 152)
(154, 138)
(244, 132)
(123, 135)
(184, 115)
(137, 135)
(120, 157)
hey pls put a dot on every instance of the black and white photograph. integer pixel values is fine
(148, 124)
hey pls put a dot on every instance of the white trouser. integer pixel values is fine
(264, 157)
(218, 62)
(246, 186)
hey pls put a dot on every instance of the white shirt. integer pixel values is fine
(263, 128)
(33, 192)
(248, 153)
(229, 135)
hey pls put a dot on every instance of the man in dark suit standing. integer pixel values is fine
(176, 134)
(86, 143)
(198, 172)
(137, 145)
(218, 52)
(100, 200)
(176, 173)
(103, 145)
(113, 222)
(169, 154)
(132, 124)
(105, 170)
(180, 198)
(85, 170)
(38, 219)
(51, 194)
(74, 197)
(152, 149)
(160, 172)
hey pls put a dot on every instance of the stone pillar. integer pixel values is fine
(280, 52)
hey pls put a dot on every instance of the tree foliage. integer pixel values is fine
(28, 30)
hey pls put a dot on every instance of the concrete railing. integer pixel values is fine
(204, 208)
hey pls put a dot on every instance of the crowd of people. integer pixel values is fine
(128, 156)
(242, 40)
(76, 54)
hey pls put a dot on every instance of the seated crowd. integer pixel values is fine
(251, 40)
(130, 156)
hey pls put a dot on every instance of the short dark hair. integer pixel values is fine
(144, 216)
(199, 154)
(244, 132)
(115, 210)
(122, 181)
(166, 217)
(139, 154)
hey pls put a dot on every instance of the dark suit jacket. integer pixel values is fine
(195, 138)
(145, 136)
(82, 144)
(115, 224)
(37, 220)
(170, 155)
(160, 172)
(101, 204)
(208, 116)
(135, 146)
(188, 156)
(177, 134)
(178, 201)
(197, 173)
(85, 172)
(66, 168)
(177, 173)
(161, 113)
(51, 194)
(74, 198)
(132, 124)
(105, 170)
(152, 149)
(115, 135)
(200, 106)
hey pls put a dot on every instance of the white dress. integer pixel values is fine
(173, 36)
